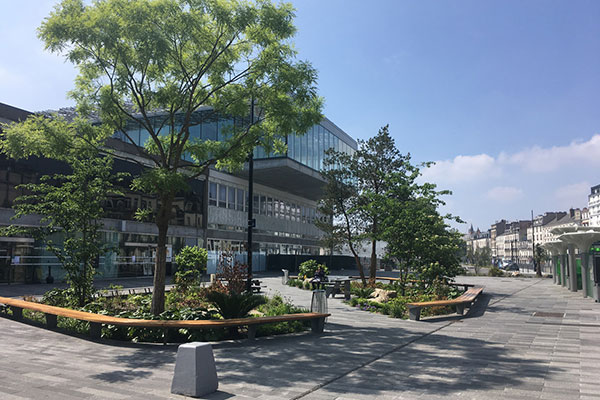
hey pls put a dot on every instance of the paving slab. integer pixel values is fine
(498, 350)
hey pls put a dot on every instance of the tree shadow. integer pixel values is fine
(347, 357)
(121, 376)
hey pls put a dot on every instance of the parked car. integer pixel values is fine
(511, 267)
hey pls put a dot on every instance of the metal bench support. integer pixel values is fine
(252, 332)
(95, 330)
(317, 325)
(17, 312)
(414, 313)
(51, 321)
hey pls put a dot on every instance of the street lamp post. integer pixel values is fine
(251, 220)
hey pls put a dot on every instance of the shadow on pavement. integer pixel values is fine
(347, 356)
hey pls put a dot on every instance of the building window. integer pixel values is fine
(269, 206)
(222, 196)
(240, 200)
(231, 198)
(263, 205)
(212, 194)
(255, 204)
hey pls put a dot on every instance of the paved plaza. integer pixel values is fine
(500, 350)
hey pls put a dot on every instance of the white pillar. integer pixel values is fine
(563, 269)
(572, 269)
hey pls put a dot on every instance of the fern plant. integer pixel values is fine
(234, 305)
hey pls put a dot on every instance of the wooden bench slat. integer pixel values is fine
(466, 298)
(109, 320)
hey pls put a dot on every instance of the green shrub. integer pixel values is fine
(396, 308)
(60, 298)
(192, 258)
(277, 306)
(495, 271)
(308, 268)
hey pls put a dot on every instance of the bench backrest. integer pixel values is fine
(106, 319)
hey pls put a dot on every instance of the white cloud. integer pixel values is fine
(537, 159)
(461, 169)
(504, 194)
(572, 195)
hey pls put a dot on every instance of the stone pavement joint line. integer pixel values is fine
(498, 350)
(395, 349)
(371, 361)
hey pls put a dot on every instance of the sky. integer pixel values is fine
(503, 96)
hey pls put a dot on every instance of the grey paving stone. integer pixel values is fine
(497, 351)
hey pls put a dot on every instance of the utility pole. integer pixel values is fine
(537, 270)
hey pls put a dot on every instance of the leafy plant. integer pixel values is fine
(192, 258)
(231, 275)
(309, 267)
(363, 292)
(495, 271)
(234, 305)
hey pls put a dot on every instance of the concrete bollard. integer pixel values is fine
(195, 371)
(213, 278)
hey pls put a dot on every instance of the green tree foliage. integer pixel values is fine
(152, 63)
(309, 267)
(418, 237)
(192, 258)
(70, 206)
(482, 257)
(540, 256)
(356, 192)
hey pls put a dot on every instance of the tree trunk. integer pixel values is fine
(361, 272)
(160, 268)
(373, 267)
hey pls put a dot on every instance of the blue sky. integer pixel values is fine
(504, 96)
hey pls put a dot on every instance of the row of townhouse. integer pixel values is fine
(514, 240)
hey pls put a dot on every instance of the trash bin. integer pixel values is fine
(284, 278)
(319, 302)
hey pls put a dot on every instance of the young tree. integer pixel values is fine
(155, 62)
(69, 205)
(482, 258)
(356, 192)
(418, 237)
(540, 256)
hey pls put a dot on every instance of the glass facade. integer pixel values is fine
(262, 204)
(308, 149)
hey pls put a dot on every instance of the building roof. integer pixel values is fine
(12, 114)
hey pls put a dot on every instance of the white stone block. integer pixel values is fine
(195, 371)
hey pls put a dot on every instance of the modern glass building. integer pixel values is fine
(213, 214)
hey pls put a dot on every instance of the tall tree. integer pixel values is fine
(155, 62)
(417, 235)
(70, 205)
(356, 192)
(540, 256)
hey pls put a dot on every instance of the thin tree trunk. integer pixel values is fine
(160, 268)
(361, 272)
(373, 267)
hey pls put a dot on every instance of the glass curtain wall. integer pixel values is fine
(308, 149)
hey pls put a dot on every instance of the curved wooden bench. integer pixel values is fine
(97, 320)
(465, 299)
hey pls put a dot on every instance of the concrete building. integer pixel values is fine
(212, 214)
(594, 206)
(496, 230)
